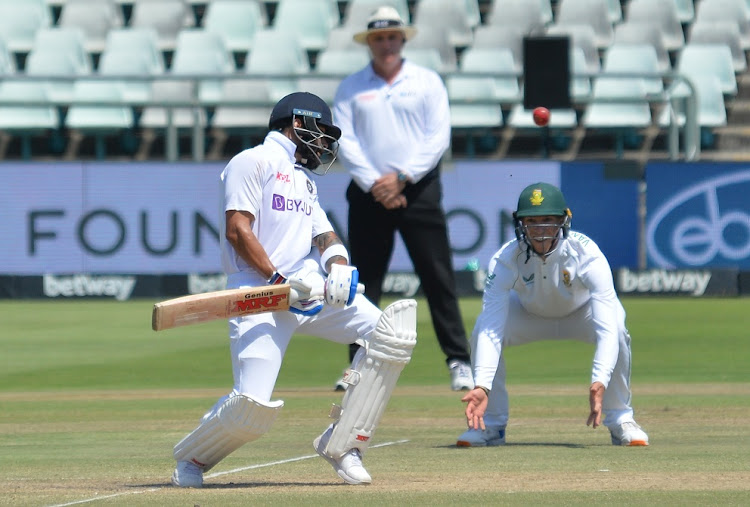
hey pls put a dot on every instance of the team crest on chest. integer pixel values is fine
(566, 277)
(309, 186)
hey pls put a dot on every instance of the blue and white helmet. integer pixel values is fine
(318, 137)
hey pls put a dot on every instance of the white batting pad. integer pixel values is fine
(374, 377)
(239, 420)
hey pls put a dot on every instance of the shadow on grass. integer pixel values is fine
(522, 444)
(238, 485)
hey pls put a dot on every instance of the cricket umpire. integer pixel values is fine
(395, 120)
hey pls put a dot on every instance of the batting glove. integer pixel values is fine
(341, 285)
(300, 298)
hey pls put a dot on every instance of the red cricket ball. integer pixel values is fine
(541, 116)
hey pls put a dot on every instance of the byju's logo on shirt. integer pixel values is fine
(281, 203)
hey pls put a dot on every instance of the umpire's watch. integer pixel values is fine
(402, 177)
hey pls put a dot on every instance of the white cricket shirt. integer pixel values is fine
(576, 273)
(402, 126)
(265, 181)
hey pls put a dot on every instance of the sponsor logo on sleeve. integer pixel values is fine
(284, 178)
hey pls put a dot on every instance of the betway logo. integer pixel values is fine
(198, 284)
(402, 283)
(691, 282)
(119, 287)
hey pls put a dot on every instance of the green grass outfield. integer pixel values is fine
(92, 402)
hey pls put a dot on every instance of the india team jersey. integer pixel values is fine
(284, 201)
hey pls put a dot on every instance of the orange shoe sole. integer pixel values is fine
(638, 443)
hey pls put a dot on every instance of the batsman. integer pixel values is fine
(550, 283)
(274, 231)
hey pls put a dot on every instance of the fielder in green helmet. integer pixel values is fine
(550, 283)
(541, 218)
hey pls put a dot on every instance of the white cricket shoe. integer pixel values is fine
(628, 433)
(461, 376)
(187, 475)
(489, 437)
(349, 466)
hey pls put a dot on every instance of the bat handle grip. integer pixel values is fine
(321, 292)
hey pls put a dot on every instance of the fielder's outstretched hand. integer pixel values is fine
(596, 395)
(476, 406)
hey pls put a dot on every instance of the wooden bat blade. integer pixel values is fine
(223, 304)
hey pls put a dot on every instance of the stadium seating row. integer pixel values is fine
(145, 51)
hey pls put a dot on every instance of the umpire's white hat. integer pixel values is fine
(385, 18)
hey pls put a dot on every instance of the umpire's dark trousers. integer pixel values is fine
(424, 231)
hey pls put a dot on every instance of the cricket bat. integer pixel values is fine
(224, 304)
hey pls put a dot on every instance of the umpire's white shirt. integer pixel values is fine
(575, 274)
(387, 127)
(265, 181)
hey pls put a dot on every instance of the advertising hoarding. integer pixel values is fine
(698, 215)
(157, 218)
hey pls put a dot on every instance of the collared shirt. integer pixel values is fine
(402, 126)
(266, 182)
(575, 274)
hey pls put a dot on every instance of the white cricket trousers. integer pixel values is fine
(258, 342)
(523, 327)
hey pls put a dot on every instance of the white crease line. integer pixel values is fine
(290, 460)
(215, 474)
(106, 497)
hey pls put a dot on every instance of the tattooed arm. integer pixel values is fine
(331, 240)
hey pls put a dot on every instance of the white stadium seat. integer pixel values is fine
(95, 18)
(709, 59)
(235, 21)
(662, 13)
(711, 107)
(166, 17)
(19, 23)
(594, 13)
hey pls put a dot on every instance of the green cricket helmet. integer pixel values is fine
(541, 199)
